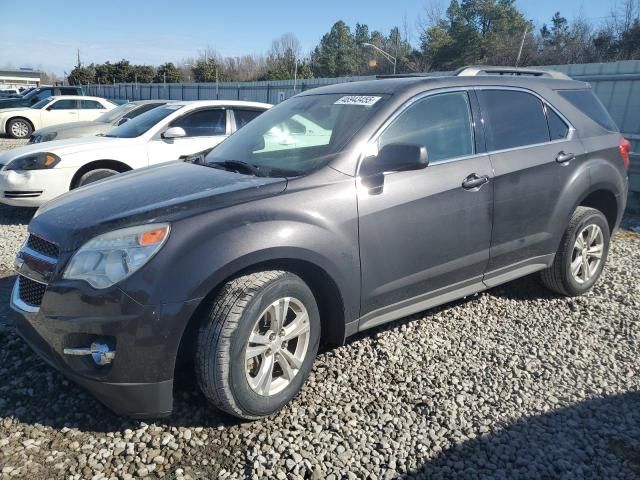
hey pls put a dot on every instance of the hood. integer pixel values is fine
(14, 109)
(65, 130)
(162, 193)
(65, 147)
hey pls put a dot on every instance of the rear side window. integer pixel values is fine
(557, 128)
(512, 119)
(440, 122)
(586, 101)
(244, 116)
(91, 105)
(204, 123)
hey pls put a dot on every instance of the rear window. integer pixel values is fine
(586, 101)
(512, 119)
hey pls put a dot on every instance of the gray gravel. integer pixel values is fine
(511, 383)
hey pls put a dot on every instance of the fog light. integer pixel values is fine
(100, 353)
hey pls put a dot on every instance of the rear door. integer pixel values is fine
(60, 111)
(204, 128)
(534, 154)
(423, 234)
(90, 110)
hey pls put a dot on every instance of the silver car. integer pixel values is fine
(102, 124)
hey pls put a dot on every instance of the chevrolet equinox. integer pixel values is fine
(342, 208)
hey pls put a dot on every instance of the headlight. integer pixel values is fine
(34, 161)
(112, 257)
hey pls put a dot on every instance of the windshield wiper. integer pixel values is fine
(237, 166)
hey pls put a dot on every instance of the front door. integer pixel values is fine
(426, 233)
(60, 111)
(204, 129)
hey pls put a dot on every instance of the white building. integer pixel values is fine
(19, 78)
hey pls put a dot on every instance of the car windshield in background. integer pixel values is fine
(141, 124)
(116, 113)
(299, 135)
(41, 103)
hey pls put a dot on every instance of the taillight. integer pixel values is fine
(625, 148)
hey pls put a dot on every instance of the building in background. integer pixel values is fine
(19, 78)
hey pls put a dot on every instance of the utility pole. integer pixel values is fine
(524, 35)
(79, 64)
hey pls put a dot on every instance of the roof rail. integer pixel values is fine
(383, 76)
(472, 71)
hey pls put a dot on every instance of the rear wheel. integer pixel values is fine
(582, 254)
(19, 128)
(95, 175)
(257, 344)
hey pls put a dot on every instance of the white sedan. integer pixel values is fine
(34, 174)
(21, 122)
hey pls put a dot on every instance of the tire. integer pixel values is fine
(243, 305)
(95, 175)
(559, 277)
(19, 128)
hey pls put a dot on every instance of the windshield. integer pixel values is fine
(299, 135)
(41, 103)
(115, 114)
(141, 124)
(31, 94)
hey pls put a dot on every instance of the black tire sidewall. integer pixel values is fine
(10, 124)
(246, 399)
(93, 176)
(593, 217)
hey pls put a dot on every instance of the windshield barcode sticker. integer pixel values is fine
(363, 100)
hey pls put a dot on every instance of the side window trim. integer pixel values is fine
(410, 102)
(545, 104)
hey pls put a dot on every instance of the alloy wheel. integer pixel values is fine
(19, 129)
(277, 346)
(587, 253)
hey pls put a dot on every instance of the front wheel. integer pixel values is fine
(582, 254)
(96, 175)
(257, 343)
(19, 128)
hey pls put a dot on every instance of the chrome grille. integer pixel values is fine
(31, 292)
(43, 246)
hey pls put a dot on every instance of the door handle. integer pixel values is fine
(565, 157)
(474, 181)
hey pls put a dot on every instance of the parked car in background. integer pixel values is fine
(38, 94)
(426, 191)
(34, 174)
(102, 124)
(21, 122)
(8, 92)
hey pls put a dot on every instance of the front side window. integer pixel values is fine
(42, 103)
(204, 123)
(65, 104)
(91, 105)
(512, 119)
(299, 135)
(440, 122)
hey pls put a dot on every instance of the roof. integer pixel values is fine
(395, 85)
(78, 97)
(224, 103)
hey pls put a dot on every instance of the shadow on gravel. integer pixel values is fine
(15, 215)
(598, 438)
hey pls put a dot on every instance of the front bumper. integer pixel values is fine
(139, 381)
(35, 187)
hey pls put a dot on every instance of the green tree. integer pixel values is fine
(141, 74)
(207, 70)
(335, 56)
(168, 72)
(82, 75)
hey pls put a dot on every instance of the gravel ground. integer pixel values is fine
(512, 383)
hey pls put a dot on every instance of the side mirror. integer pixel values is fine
(121, 121)
(396, 157)
(174, 132)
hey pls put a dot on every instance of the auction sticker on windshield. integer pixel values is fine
(363, 100)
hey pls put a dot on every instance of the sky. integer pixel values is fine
(45, 34)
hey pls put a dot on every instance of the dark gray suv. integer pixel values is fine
(343, 208)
